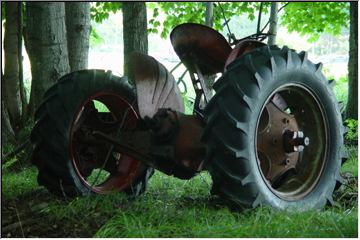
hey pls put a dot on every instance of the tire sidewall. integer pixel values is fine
(73, 91)
(314, 82)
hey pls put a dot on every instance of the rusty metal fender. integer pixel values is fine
(241, 48)
(155, 86)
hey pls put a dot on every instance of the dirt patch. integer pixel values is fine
(23, 217)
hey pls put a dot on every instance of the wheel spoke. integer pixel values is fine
(279, 102)
(270, 140)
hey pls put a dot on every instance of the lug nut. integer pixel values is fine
(295, 141)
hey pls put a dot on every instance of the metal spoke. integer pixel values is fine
(112, 147)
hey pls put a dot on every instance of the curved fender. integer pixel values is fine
(241, 48)
(155, 86)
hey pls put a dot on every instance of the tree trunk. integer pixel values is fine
(23, 96)
(352, 103)
(46, 45)
(209, 14)
(7, 133)
(273, 23)
(11, 70)
(135, 31)
(78, 33)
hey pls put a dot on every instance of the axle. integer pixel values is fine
(169, 142)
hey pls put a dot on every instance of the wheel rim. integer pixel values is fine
(98, 166)
(291, 142)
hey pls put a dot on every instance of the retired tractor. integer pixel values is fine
(269, 130)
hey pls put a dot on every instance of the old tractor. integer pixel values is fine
(268, 129)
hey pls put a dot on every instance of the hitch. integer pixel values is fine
(170, 143)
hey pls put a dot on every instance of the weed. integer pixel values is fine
(352, 134)
(176, 208)
(16, 184)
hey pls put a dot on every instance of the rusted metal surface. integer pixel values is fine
(171, 144)
(205, 89)
(292, 142)
(155, 86)
(241, 48)
(275, 160)
(201, 45)
(88, 153)
(189, 150)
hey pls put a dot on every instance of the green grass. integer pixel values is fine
(176, 220)
(351, 165)
(100, 106)
(177, 208)
(341, 89)
(17, 183)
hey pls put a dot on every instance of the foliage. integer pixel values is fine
(189, 105)
(307, 18)
(351, 165)
(352, 125)
(100, 10)
(194, 12)
(313, 18)
(341, 89)
(95, 38)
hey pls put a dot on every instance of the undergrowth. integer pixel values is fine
(177, 208)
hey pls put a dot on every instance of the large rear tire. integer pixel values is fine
(252, 161)
(70, 161)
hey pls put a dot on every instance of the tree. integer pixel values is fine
(78, 33)
(45, 41)
(314, 18)
(209, 14)
(195, 12)
(328, 17)
(135, 30)
(7, 133)
(273, 23)
(12, 74)
(352, 103)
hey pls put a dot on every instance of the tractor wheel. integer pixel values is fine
(274, 132)
(70, 160)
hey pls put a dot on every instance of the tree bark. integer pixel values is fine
(7, 133)
(135, 31)
(209, 14)
(46, 45)
(23, 95)
(78, 33)
(11, 70)
(273, 23)
(352, 103)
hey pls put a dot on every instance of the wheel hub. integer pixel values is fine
(98, 166)
(289, 121)
(275, 159)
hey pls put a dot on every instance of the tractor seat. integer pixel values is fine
(201, 45)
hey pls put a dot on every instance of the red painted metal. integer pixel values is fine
(155, 86)
(128, 168)
(274, 159)
(241, 48)
(201, 45)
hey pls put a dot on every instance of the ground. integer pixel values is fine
(170, 208)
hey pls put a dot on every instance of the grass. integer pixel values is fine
(351, 165)
(177, 208)
(15, 184)
(341, 89)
